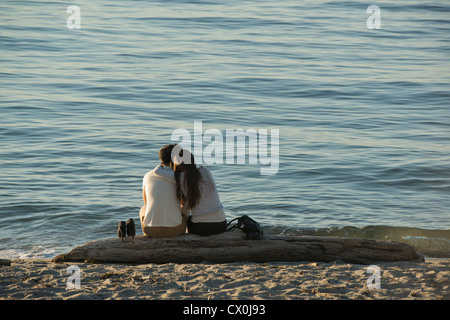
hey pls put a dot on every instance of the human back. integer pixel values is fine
(209, 207)
(162, 207)
(197, 191)
(161, 214)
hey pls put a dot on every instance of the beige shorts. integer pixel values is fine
(164, 232)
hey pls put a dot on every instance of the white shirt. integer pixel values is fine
(163, 208)
(209, 208)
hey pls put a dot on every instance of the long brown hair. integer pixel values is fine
(192, 177)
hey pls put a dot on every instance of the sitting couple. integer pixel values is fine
(175, 187)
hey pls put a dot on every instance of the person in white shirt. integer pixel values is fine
(161, 215)
(197, 192)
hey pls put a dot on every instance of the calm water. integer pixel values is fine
(363, 115)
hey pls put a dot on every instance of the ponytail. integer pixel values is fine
(192, 177)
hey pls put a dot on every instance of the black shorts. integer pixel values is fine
(206, 228)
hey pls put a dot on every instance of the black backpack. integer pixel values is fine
(249, 226)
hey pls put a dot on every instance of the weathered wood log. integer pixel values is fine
(232, 247)
(5, 262)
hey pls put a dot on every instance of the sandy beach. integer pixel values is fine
(45, 280)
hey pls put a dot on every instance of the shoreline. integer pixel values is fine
(41, 279)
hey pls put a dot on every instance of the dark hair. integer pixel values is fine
(192, 177)
(165, 154)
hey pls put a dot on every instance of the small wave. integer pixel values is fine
(435, 247)
(433, 243)
(36, 252)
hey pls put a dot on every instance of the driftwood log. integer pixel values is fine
(5, 262)
(233, 247)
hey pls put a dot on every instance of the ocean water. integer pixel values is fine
(363, 114)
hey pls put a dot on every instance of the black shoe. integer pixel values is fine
(131, 228)
(122, 230)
